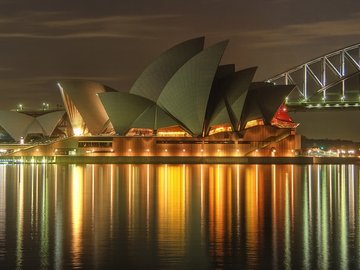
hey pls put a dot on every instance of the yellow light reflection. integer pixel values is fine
(252, 212)
(219, 208)
(358, 216)
(324, 222)
(2, 209)
(44, 221)
(318, 213)
(58, 245)
(343, 217)
(229, 205)
(330, 189)
(171, 208)
(238, 209)
(292, 195)
(130, 194)
(202, 190)
(351, 180)
(93, 193)
(20, 216)
(310, 191)
(274, 216)
(148, 200)
(218, 202)
(229, 210)
(33, 217)
(184, 182)
(287, 236)
(202, 202)
(305, 225)
(111, 198)
(77, 214)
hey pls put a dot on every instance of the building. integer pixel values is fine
(16, 126)
(184, 103)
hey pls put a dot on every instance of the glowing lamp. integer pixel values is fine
(77, 131)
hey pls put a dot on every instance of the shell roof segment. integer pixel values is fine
(230, 98)
(263, 101)
(186, 95)
(18, 124)
(154, 78)
(127, 111)
(83, 106)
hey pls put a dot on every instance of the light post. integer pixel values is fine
(45, 106)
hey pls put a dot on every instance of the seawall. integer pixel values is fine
(178, 160)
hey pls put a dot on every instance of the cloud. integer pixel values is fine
(301, 34)
(4, 69)
(61, 25)
(110, 20)
(53, 78)
(71, 36)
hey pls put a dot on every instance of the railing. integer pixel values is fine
(332, 80)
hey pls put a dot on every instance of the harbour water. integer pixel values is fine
(179, 216)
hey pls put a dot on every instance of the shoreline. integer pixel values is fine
(175, 160)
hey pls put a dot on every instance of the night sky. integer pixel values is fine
(112, 41)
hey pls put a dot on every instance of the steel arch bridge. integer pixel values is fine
(332, 80)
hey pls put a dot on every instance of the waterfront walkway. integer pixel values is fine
(178, 160)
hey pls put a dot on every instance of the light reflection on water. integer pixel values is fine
(179, 216)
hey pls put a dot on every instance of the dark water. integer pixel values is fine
(179, 216)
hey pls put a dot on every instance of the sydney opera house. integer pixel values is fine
(185, 103)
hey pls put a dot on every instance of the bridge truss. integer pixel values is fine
(332, 80)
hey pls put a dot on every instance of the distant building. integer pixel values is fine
(28, 125)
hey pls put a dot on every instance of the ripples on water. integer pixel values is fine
(179, 216)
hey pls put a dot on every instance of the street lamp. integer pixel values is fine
(45, 106)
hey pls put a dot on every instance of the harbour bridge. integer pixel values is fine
(330, 81)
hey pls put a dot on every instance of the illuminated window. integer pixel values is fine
(220, 128)
(174, 131)
(254, 123)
